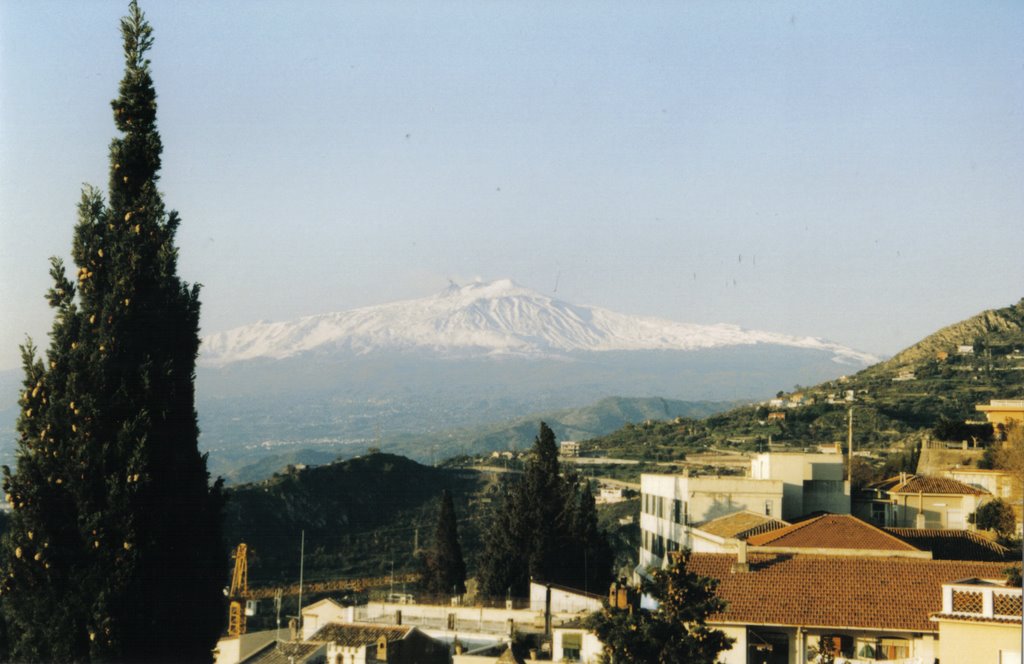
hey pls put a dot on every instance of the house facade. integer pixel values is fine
(918, 501)
(980, 623)
(810, 482)
(670, 503)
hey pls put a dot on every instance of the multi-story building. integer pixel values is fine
(781, 485)
(810, 482)
(669, 504)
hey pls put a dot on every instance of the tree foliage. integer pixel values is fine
(445, 569)
(114, 547)
(996, 515)
(544, 527)
(675, 632)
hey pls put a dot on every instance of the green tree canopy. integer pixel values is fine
(996, 515)
(544, 527)
(114, 547)
(675, 632)
(445, 569)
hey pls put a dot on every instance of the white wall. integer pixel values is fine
(562, 601)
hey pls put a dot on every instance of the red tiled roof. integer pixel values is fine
(832, 531)
(982, 619)
(952, 544)
(895, 594)
(926, 484)
(740, 525)
(359, 634)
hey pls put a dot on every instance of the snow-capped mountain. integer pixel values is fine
(498, 318)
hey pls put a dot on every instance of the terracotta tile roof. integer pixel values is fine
(829, 591)
(832, 531)
(981, 619)
(740, 525)
(359, 634)
(927, 484)
(953, 544)
(285, 652)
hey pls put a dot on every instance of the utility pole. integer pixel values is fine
(302, 563)
(849, 445)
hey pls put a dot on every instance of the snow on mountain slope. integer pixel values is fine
(489, 318)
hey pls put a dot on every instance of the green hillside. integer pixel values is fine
(603, 417)
(359, 516)
(929, 389)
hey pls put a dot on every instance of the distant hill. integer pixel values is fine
(1000, 330)
(359, 516)
(917, 393)
(597, 419)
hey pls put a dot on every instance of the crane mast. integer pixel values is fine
(239, 589)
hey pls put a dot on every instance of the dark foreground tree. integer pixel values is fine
(445, 571)
(674, 633)
(114, 547)
(544, 527)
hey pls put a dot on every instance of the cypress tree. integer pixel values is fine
(446, 569)
(114, 547)
(544, 528)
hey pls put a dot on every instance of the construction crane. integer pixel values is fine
(241, 594)
(239, 590)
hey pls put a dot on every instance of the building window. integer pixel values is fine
(572, 644)
(883, 649)
(677, 510)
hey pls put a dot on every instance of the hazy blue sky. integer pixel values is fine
(850, 170)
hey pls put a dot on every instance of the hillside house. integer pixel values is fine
(1000, 483)
(569, 448)
(1001, 413)
(610, 494)
(918, 501)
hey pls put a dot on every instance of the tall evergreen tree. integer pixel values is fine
(446, 569)
(114, 549)
(544, 528)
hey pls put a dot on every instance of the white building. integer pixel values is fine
(670, 503)
(810, 482)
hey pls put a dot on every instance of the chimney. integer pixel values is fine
(741, 564)
(398, 617)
